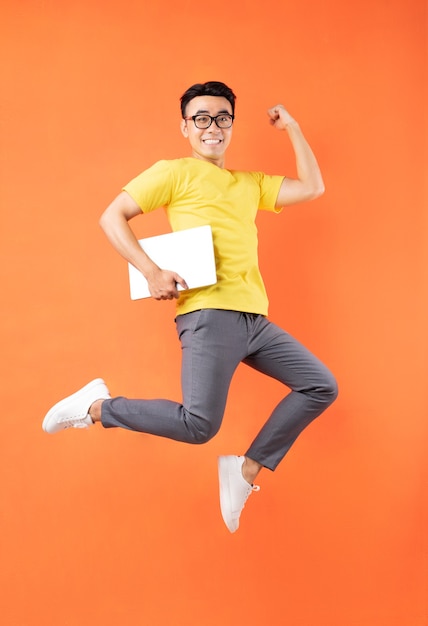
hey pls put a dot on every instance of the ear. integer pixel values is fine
(183, 127)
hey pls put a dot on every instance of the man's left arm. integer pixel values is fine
(309, 183)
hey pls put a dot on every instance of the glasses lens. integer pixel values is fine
(202, 121)
(224, 121)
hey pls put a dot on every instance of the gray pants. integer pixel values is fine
(213, 343)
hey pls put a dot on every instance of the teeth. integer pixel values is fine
(211, 141)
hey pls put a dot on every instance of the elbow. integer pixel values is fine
(317, 191)
(119, 212)
(107, 219)
(108, 223)
(321, 190)
(103, 221)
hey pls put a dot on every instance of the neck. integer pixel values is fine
(219, 162)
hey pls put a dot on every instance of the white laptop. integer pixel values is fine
(188, 252)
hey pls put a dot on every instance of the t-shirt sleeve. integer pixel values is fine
(152, 188)
(269, 189)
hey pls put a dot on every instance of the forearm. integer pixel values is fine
(308, 171)
(309, 183)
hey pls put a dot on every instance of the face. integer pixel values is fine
(208, 144)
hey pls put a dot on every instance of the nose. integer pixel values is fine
(213, 128)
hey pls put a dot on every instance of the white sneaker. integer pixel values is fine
(234, 489)
(72, 412)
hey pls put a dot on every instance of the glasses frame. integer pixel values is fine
(212, 119)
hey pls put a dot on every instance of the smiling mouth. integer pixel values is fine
(212, 142)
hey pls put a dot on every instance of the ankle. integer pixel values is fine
(95, 411)
(250, 470)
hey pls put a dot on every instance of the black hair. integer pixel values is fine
(211, 88)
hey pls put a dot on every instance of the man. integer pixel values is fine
(224, 324)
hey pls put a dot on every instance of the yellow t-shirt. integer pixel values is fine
(194, 193)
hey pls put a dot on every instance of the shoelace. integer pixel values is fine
(250, 490)
(74, 422)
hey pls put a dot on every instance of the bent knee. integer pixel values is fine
(204, 436)
(329, 390)
(201, 430)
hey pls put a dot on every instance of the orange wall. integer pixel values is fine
(112, 528)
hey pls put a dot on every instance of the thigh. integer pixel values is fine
(212, 346)
(276, 353)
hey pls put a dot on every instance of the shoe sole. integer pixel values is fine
(225, 492)
(63, 403)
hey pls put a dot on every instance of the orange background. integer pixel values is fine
(113, 528)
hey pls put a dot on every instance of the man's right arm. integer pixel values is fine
(115, 223)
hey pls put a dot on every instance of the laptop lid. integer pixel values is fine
(188, 252)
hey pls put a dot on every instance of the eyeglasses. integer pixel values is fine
(202, 121)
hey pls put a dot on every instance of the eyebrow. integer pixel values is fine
(199, 111)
